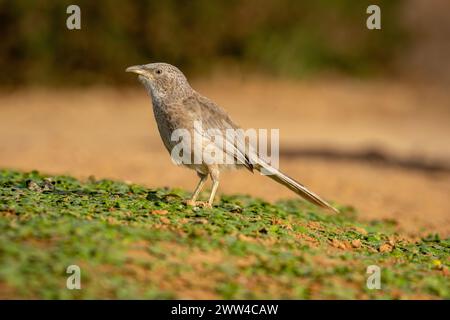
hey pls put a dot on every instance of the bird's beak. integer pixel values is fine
(136, 69)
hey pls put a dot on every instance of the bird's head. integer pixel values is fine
(162, 80)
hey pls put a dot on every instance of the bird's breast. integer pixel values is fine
(169, 119)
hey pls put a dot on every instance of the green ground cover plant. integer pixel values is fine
(132, 242)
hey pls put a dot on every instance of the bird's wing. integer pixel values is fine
(213, 118)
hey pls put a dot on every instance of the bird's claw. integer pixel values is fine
(202, 204)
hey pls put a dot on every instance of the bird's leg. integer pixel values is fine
(192, 201)
(213, 192)
(215, 179)
(199, 187)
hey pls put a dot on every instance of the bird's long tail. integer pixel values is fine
(295, 186)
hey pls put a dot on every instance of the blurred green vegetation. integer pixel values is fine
(286, 37)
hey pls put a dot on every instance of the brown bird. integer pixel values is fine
(179, 108)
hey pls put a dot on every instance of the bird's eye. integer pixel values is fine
(158, 71)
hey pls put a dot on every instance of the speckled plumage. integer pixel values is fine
(177, 106)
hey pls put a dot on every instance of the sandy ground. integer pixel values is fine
(110, 133)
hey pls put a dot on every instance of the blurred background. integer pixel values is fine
(363, 114)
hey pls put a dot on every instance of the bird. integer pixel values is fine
(177, 107)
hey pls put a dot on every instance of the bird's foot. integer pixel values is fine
(202, 204)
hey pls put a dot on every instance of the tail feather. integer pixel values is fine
(295, 186)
